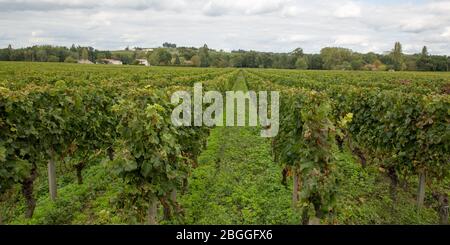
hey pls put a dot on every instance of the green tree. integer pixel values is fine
(187, 53)
(344, 66)
(284, 61)
(10, 51)
(41, 55)
(177, 60)
(218, 59)
(169, 45)
(196, 61)
(334, 58)
(424, 61)
(315, 62)
(369, 58)
(203, 53)
(301, 64)
(84, 54)
(357, 63)
(70, 59)
(439, 63)
(53, 58)
(298, 52)
(249, 59)
(237, 60)
(73, 48)
(378, 65)
(161, 57)
(397, 57)
(411, 63)
(264, 60)
(165, 57)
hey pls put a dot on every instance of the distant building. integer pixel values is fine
(111, 62)
(147, 49)
(143, 49)
(143, 62)
(85, 62)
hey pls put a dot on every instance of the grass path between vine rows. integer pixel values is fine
(237, 181)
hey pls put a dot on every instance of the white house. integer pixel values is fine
(111, 62)
(143, 49)
(143, 62)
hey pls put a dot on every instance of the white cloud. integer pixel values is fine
(291, 11)
(131, 38)
(446, 33)
(295, 38)
(412, 48)
(442, 6)
(348, 10)
(100, 19)
(39, 37)
(351, 40)
(248, 7)
(36, 33)
(42, 5)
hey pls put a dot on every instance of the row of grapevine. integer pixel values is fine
(49, 122)
(423, 83)
(408, 132)
(44, 124)
(19, 75)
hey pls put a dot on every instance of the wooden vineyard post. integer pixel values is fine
(1, 217)
(152, 211)
(173, 196)
(52, 178)
(443, 209)
(421, 189)
(173, 199)
(295, 189)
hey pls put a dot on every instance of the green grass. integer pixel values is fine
(364, 197)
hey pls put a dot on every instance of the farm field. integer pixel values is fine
(94, 144)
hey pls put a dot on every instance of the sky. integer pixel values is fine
(262, 25)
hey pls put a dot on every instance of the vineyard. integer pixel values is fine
(94, 144)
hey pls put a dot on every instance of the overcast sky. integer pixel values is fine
(263, 25)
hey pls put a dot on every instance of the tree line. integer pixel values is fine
(329, 58)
